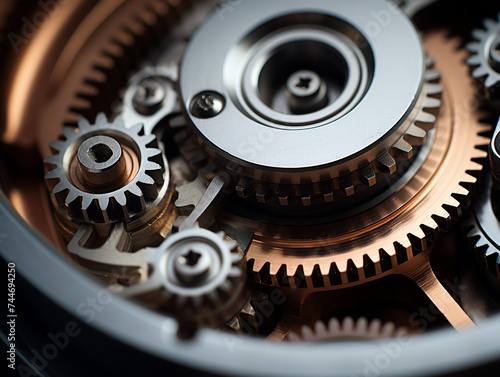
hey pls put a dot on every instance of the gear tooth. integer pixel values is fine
(86, 203)
(367, 175)
(452, 206)
(136, 129)
(83, 124)
(71, 197)
(431, 229)
(434, 90)
(307, 334)
(306, 195)
(294, 337)
(284, 193)
(153, 166)
(431, 104)
(402, 149)
(57, 146)
(245, 187)
(479, 34)
(52, 160)
(443, 219)
(147, 180)
(101, 119)
(432, 75)
(320, 328)
(155, 154)
(68, 132)
(333, 326)
(264, 192)
(60, 187)
(346, 184)
(415, 136)
(474, 60)
(149, 139)
(480, 72)
(103, 203)
(121, 199)
(418, 241)
(484, 242)
(326, 189)
(425, 120)
(53, 174)
(491, 81)
(490, 24)
(386, 163)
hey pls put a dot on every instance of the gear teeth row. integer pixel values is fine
(329, 189)
(479, 61)
(486, 252)
(347, 328)
(120, 205)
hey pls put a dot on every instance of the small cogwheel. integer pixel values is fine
(198, 277)
(105, 172)
(486, 58)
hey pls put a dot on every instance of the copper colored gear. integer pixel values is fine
(371, 244)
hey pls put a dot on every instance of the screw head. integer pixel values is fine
(149, 96)
(207, 105)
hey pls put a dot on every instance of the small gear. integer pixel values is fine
(486, 58)
(197, 276)
(483, 230)
(106, 172)
(347, 329)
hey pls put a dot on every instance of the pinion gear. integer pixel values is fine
(485, 59)
(195, 275)
(106, 172)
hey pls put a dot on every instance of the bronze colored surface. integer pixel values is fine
(370, 245)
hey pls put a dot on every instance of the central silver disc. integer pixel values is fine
(312, 92)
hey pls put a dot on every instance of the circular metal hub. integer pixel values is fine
(281, 128)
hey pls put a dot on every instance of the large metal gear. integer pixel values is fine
(257, 127)
(485, 60)
(370, 244)
(106, 172)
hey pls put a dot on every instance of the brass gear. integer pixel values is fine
(369, 245)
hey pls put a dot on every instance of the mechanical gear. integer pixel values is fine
(483, 230)
(106, 172)
(347, 329)
(312, 175)
(197, 276)
(485, 60)
(369, 245)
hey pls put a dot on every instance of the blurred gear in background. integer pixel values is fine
(245, 178)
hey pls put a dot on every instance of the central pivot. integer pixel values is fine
(101, 160)
(193, 265)
(306, 92)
